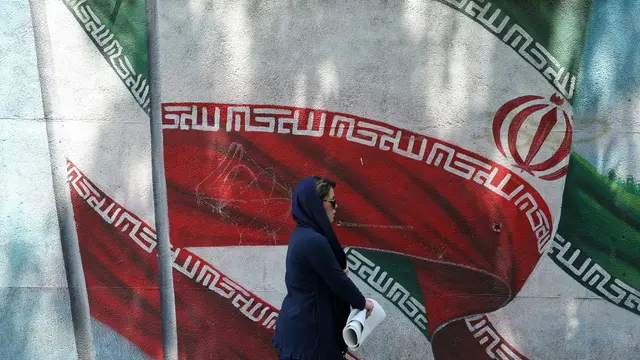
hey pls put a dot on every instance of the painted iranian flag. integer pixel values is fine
(446, 125)
(357, 93)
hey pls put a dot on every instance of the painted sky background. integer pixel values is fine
(609, 88)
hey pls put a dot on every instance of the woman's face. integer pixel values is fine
(330, 205)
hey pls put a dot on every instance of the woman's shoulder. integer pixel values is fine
(307, 234)
(305, 240)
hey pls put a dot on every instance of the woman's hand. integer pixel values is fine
(346, 270)
(368, 305)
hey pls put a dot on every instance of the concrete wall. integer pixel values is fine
(487, 169)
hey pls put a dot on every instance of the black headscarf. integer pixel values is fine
(307, 211)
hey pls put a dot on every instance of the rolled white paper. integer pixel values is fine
(359, 326)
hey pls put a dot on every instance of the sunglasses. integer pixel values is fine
(332, 202)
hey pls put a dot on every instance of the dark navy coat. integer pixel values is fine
(310, 319)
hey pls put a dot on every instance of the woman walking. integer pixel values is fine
(319, 292)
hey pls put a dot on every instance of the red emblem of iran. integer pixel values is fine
(537, 134)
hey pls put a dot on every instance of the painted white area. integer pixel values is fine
(35, 323)
(29, 237)
(556, 317)
(99, 125)
(20, 96)
(88, 89)
(111, 345)
(36, 314)
(261, 270)
(35, 320)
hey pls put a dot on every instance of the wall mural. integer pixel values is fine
(445, 212)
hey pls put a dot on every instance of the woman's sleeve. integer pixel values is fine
(324, 262)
